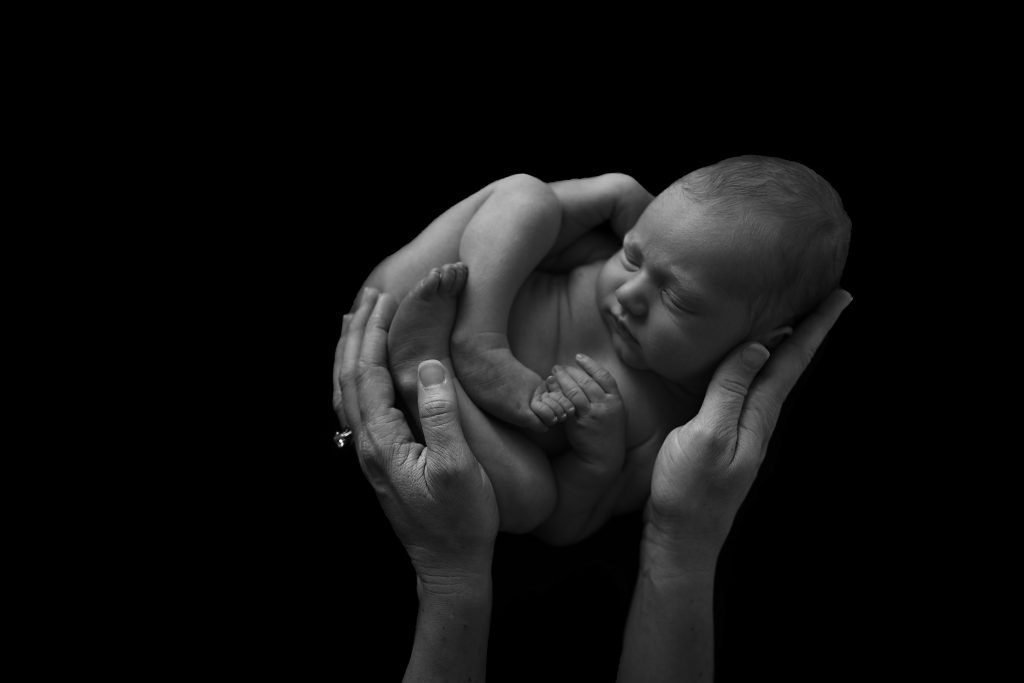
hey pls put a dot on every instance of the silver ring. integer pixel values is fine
(341, 438)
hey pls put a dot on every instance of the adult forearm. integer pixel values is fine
(670, 630)
(451, 633)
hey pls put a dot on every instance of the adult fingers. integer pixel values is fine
(723, 402)
(788, 362)
(376, 393)
(351, 342)
(603, 378)
(439, 415)
(336, 401)
(338, 352)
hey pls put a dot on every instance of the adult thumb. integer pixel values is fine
(439, 412)
(723, 402)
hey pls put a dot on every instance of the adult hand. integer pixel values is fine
(437, 497)
(701, 476)
(706, 467)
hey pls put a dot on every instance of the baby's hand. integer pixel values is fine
(589, 396)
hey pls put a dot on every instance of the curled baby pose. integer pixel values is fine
(583, 318)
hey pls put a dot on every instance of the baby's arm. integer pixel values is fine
(523, 222)
(588, 399)
(613, 201)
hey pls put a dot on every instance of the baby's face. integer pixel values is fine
(672, 297)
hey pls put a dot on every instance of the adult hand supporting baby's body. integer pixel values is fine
(437, 497)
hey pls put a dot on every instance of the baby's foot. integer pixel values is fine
(422, 326)
(495, 379)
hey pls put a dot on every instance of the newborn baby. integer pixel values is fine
(571, 371)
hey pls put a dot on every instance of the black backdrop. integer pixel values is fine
(809, 582)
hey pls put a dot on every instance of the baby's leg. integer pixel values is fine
(519, 471)
(435, 246)
(507, 237)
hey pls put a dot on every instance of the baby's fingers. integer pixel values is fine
(603, 378)
(545, 408)
(555, 392)
(571, 389)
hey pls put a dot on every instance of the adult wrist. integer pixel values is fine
(668, 556)
(459, 581)
(455, 591)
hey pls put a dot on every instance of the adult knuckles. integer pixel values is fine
(447, 467)
(438, 412)
(733, 385)
(711, 439)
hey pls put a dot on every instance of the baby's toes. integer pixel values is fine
(460, 272)
(427, 287)
(451, 276)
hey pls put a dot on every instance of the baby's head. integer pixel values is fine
(736, 251)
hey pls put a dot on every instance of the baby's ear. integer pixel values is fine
(772, 339)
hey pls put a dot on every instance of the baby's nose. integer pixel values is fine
(632, 298)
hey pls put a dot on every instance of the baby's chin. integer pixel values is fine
(631, 357)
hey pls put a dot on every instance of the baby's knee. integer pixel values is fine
(527, 192)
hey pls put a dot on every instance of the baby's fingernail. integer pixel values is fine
(431, 373)
(580, 356)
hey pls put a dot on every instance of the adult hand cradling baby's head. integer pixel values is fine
(706, 467)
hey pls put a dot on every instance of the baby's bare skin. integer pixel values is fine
(420, 331)
(555, 317)
(504, 232)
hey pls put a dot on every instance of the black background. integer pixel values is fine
(301, 571)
